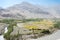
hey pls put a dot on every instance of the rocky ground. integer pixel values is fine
(2, 27)
(54, 36)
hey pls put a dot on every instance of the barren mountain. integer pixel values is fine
(54, 10)
(27, 10)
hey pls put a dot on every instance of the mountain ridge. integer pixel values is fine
(27, 10)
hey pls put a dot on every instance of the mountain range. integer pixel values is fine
(26, 10)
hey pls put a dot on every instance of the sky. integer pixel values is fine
(8, 3)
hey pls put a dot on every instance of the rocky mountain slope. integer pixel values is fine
(27, 10)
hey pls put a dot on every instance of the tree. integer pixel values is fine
(57, 25)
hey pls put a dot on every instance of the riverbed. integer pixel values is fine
(1, 36)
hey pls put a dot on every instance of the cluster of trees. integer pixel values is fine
(10, 28)
(36, 19)
(57, 24)
(8, 21)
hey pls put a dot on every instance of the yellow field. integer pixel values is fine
(44, 24)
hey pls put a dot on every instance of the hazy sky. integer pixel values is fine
(7, 3)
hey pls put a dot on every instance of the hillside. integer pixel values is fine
(26, 10)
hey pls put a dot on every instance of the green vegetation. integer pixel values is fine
(34, 27)
(10, 29)
(7, 21)
(11, 23)
(57, 25)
